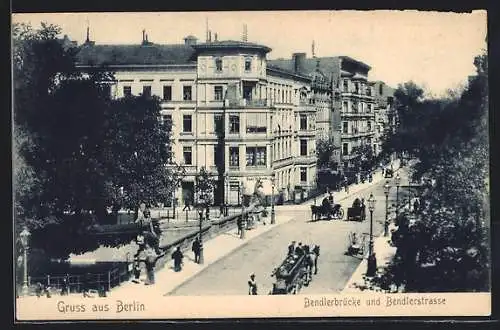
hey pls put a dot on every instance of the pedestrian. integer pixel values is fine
(330, 198)
(140, 241)
(363, 209)
(150, 262)
(239, 223)
(316, 252)
(196, 249)
(187, 203)
(177, 256)
(140, 214)
(416, 206)
(64, 287)
(252, 285)
(291, 248)
(136, 270)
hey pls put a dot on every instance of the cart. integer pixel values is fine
(290, 276)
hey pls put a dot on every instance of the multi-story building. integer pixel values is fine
(345, 107)
(385, 114)
(268, 121)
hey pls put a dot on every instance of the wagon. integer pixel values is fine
(290, 276)
(356, 213)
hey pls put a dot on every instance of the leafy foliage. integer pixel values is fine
(205, 185)
(75, 147)
(448, 247)
(325, 150)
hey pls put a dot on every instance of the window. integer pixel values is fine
(303, 174)
(167, 93)
(345, 127)
(218, 93)
(234, 124)
(303, 122)
(218, 65)
(234, 156)
(356, 87)
(187, 124)
(256, 123)
(248, 64)
(345, 107)
(170, 154)
(369, 126)
(187, 93)
(369, 91)
(127, 91)
(218, 125)
(256, 156)
(303, 147)
(146, 90)
(188, 155)
(380, 89)
(345, 149)
(346, 86)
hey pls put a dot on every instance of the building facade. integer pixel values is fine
(268, 121)
(385, 114)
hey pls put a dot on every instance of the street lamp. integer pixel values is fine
(273, 220)
(372, 261)
(387, 188)
(397, 180)
(226, 193)
(25, 235)
(201, 208)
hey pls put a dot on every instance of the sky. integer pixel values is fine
(435, 50)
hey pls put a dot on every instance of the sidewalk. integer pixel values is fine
(166, 280)
(384, 253)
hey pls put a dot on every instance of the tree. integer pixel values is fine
(136, 153)
(325, 150)
(205, 185)
(448, 248)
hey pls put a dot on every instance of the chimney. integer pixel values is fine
(143, 36)
(299, 61)
(215, 37)
(209, 36)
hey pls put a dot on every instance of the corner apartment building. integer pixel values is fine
(269, 124)
(345, 106)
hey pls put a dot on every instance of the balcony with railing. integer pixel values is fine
(248, 103)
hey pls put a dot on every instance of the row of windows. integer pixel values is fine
(354, 128)
(355, 107)
(218, 64)
(358, 88)
(255, 156)
(187, 92)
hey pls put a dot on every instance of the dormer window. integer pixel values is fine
(218, 64)
(248, 64)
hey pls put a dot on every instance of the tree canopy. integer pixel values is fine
(77, 151)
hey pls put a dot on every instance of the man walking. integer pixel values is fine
(177, 256)
(291, 248)
(196, 249)
(187, 203)
(252, 286)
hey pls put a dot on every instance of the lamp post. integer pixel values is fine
(201, 208)
(372, 261)
(25, 235)
(226, 193)
(397, 180)
(387, 188)
(273, 220)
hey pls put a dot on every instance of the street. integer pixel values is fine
(229, 275)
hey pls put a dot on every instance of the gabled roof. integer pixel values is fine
(151, 54)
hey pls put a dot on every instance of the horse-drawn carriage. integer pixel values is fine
(291, 275)
(326, 209)
(357, 211)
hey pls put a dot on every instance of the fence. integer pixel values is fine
(77, 283)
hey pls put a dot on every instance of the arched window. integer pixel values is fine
(218, 64)
(248, 64)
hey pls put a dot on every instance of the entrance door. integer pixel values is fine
(187, 192)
